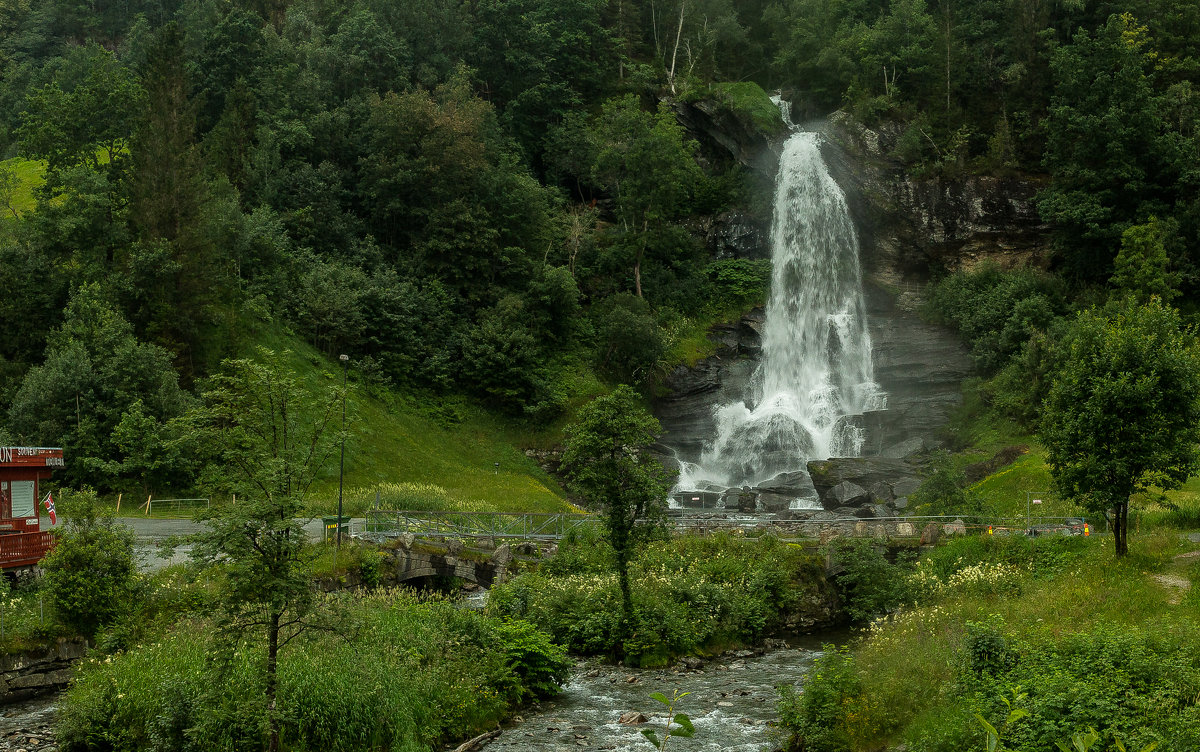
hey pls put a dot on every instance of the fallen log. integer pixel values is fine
(473, 744)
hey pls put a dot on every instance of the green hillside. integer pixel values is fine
(420, 453)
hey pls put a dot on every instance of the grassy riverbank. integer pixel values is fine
(399, 672)
(1058, 628)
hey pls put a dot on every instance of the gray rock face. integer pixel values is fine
(24, 675)
(922, 224)
(686, 413)
(726, 137)
(906, 448)
(848, 494)
(882, 491)
(795, 484)
(739, 235)
(906, 486)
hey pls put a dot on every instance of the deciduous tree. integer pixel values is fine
(272, 438)
(608, 462)
(1123, 414)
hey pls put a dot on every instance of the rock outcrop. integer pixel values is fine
(25, 675)
(865, 487)
(911, 225)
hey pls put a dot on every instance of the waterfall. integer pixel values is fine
(815, 377)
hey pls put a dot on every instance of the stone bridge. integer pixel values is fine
(414, 558)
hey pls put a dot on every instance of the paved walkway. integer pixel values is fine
(151, 532)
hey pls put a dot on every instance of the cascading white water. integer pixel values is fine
(816, 373)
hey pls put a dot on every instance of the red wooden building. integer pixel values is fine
(22, 542)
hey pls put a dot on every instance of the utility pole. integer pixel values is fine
(342, 460)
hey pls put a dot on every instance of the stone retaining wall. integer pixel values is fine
(24, 675)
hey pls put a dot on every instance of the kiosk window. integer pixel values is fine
(23, 502)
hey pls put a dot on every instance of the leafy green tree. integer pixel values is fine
(1123, 413)
(95, 370)
(180, 267)
(629, 341)
(503, 359)
(89, 573)
(88, 109)
(607, 459)
(645, 162)
(271, 438)
(540, 58)
(1142, 268)
(150, 450)
(1104, 149)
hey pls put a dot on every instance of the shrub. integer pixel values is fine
(996, 311)
(90, 572)
(987, 653)
(412, 674)
(689, 594)
(819, 718)
(869, 584)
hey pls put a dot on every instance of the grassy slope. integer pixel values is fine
(421, 452)
(909, 665)
(30, 176)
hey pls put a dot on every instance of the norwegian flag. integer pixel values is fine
(48, 502)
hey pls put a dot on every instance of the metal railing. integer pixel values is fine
(476, 524)
(533, 526)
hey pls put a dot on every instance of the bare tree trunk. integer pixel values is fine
(272, 678)
(675, 51)
(654, 29)
(947, 13)
(1121, 528)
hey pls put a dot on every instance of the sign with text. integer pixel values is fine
(31, 457)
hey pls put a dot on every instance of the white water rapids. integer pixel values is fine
(815, 376)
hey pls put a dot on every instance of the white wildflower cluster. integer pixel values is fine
(986, 578)
(905, 625)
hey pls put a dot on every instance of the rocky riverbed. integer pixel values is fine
(29, 725)
(732, 703)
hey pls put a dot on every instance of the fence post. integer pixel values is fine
(119, 502)
(148, 500)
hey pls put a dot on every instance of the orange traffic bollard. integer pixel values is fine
(1086, 531)
(990, 530)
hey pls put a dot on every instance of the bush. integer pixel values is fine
(819, 718)
(987, 653)
(995, 311)
(869, 585)
(689, 594)
(90, 572)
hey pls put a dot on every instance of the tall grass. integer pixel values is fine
(400, 673)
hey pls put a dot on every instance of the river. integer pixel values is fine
(732, 704)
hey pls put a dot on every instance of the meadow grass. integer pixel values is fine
(30, 175)
(463, 456)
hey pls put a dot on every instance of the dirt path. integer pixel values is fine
(1174, 581)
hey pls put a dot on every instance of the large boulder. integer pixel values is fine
(847, 494)
(862, 472)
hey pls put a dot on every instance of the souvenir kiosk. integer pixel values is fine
(22, 542)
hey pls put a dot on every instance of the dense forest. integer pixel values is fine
(495, 197)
